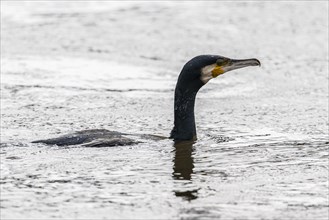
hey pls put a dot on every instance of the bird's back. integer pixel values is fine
(90, 138)
(98, 138)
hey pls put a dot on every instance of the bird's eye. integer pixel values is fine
(221, 62)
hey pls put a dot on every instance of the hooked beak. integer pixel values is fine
(237, 64)
(224, 64)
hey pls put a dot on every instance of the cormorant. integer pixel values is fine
(195, 74)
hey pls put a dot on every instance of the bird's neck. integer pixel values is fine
(184, 124)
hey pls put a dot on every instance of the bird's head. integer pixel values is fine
(195, 74)
(206, 67)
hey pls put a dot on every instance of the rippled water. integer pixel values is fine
(262, 149)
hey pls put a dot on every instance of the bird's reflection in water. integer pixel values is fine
(183, 169)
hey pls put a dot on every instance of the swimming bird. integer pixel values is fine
(195, 74)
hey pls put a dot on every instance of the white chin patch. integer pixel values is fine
(206, 73)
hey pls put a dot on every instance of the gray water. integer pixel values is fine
(262, 149)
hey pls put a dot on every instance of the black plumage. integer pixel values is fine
(190, 80)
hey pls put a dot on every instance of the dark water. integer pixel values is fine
(262, 149)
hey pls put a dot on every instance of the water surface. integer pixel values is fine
(262, 149)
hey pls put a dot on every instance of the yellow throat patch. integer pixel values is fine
(218, 70)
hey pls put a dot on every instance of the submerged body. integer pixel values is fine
(194, 75)
(98, 138)
(92, 138)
